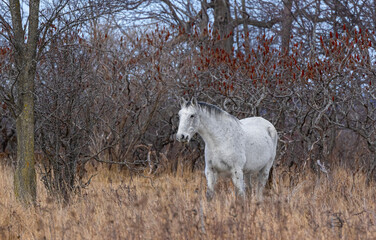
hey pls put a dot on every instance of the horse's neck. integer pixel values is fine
(216, 131)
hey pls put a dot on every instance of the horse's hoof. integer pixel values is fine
(209, 195)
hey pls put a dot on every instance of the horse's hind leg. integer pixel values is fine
(248, 181)
(263, 178)
(251, 181)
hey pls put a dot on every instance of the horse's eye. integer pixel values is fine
(192, 116)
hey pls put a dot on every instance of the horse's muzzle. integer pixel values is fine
(181, 137)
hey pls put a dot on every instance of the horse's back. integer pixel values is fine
(261, 141)
(259, 124)
(256, 121)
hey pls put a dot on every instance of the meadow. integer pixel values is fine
(301, 204)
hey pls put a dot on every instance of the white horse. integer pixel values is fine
(234, 148)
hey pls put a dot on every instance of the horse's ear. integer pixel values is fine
(183, 102)
(194, 101)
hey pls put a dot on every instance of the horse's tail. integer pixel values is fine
(274, 135)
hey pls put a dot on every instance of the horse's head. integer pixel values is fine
(189, 120)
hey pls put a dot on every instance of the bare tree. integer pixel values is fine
(28, 44)
(25, 60)
(218, 19)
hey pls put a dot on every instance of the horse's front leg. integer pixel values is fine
(238, 180)
(211, 178)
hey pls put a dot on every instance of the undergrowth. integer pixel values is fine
(300, 205)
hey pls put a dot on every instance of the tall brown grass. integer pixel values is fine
(300, 205)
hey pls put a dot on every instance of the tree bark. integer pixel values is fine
(25, 56)
(286, 25)
(246, 30)
(222, 25)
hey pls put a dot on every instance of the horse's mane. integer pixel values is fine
(212, 110)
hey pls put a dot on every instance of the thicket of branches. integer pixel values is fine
(106, 93)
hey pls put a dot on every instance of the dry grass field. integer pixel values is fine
(116, 206)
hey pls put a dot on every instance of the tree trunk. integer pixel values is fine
(222, 25)
(24, 178)
(247, 46)
(25, 56)
(286, 25)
